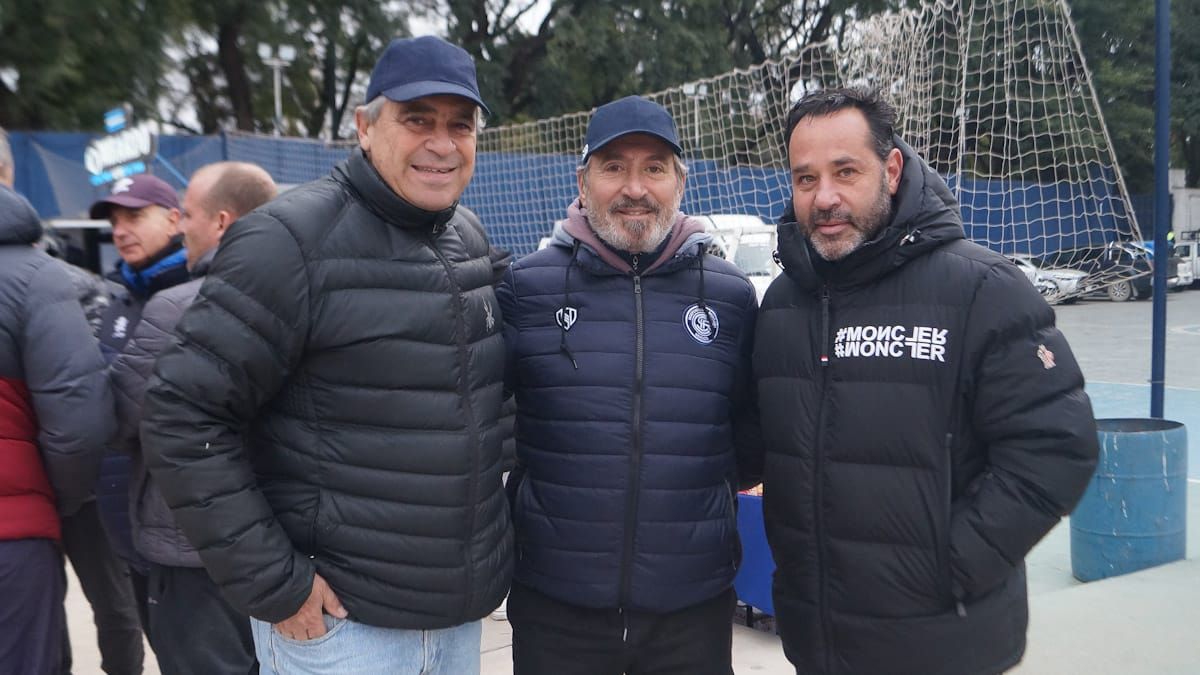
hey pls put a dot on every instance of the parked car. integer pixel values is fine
(748, 242)
(1189, 261)
(1056, 284)
(1119, 270)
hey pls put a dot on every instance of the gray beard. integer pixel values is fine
(626, 234)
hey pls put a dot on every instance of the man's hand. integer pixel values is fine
(308, 622)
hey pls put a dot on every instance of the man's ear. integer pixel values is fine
(894, 166)
(361, 125)
(174, 216)
(224, 220)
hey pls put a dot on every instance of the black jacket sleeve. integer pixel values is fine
(237, 344)
(67, 382)
(1030, 413)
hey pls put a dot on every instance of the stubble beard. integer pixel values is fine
(862, 229)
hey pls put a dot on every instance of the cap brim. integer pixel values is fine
(100, 209)
(592, 148)
(416, 90)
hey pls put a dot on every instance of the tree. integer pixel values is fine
(65, 62)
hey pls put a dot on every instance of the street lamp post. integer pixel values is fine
(286, 53)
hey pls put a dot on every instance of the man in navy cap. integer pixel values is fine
(628, 352)
(324, 429)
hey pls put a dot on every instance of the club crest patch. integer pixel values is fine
(701, 323)
(565, 317)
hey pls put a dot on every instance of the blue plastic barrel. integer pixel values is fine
(1134, 513)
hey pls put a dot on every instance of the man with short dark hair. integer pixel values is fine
(628, 354)
(925, 422)
(325, 427)
(192, 628)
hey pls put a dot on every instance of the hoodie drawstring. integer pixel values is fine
(700, 301)
(562, 312)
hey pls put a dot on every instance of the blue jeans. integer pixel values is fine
(358, 649)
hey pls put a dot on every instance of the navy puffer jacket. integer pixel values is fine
(626, 401)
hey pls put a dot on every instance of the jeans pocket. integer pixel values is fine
(332, 626)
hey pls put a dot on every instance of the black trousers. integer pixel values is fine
(31, 616)
(555, 638)
(193, 629)
(105, 581)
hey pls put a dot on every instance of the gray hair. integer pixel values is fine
(374, 108)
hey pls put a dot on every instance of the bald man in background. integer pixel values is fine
(192, 628)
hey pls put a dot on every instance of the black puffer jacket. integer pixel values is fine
(909, 474)
(331, 407)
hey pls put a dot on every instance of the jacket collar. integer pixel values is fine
(925, 216)
(388, 206)
(166, 269)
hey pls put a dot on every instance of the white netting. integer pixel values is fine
(994, 93)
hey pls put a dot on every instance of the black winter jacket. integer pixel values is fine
(908, 474)
(331, 407)
(627, 397)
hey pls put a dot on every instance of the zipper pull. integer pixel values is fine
(637, 285)
(635, 261)
(825, 326)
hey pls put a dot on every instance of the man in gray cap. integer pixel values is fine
(628, 353)
(325, 429)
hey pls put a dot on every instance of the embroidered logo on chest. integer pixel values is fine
(701, 323)
(921, 343)
(565, 317)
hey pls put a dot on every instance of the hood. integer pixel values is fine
(925, 216)
(686, 241)
(19, 222)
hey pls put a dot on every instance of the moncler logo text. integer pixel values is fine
(924, 343)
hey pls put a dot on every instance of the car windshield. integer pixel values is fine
(754, 259)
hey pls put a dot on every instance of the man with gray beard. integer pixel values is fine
(628, 354)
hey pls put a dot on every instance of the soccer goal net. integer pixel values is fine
(993, 93)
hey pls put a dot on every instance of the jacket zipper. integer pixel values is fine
(468, 411)
(635, 459)
(818, 512)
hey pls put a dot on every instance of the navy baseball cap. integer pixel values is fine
(136, 192)
(630, 115)
(412, 68)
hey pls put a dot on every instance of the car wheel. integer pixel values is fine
(1120, 291)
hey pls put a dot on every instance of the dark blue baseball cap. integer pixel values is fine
(412, 68)
(630, 115)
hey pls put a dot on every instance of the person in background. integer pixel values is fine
(192, 628)
(54, 401)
